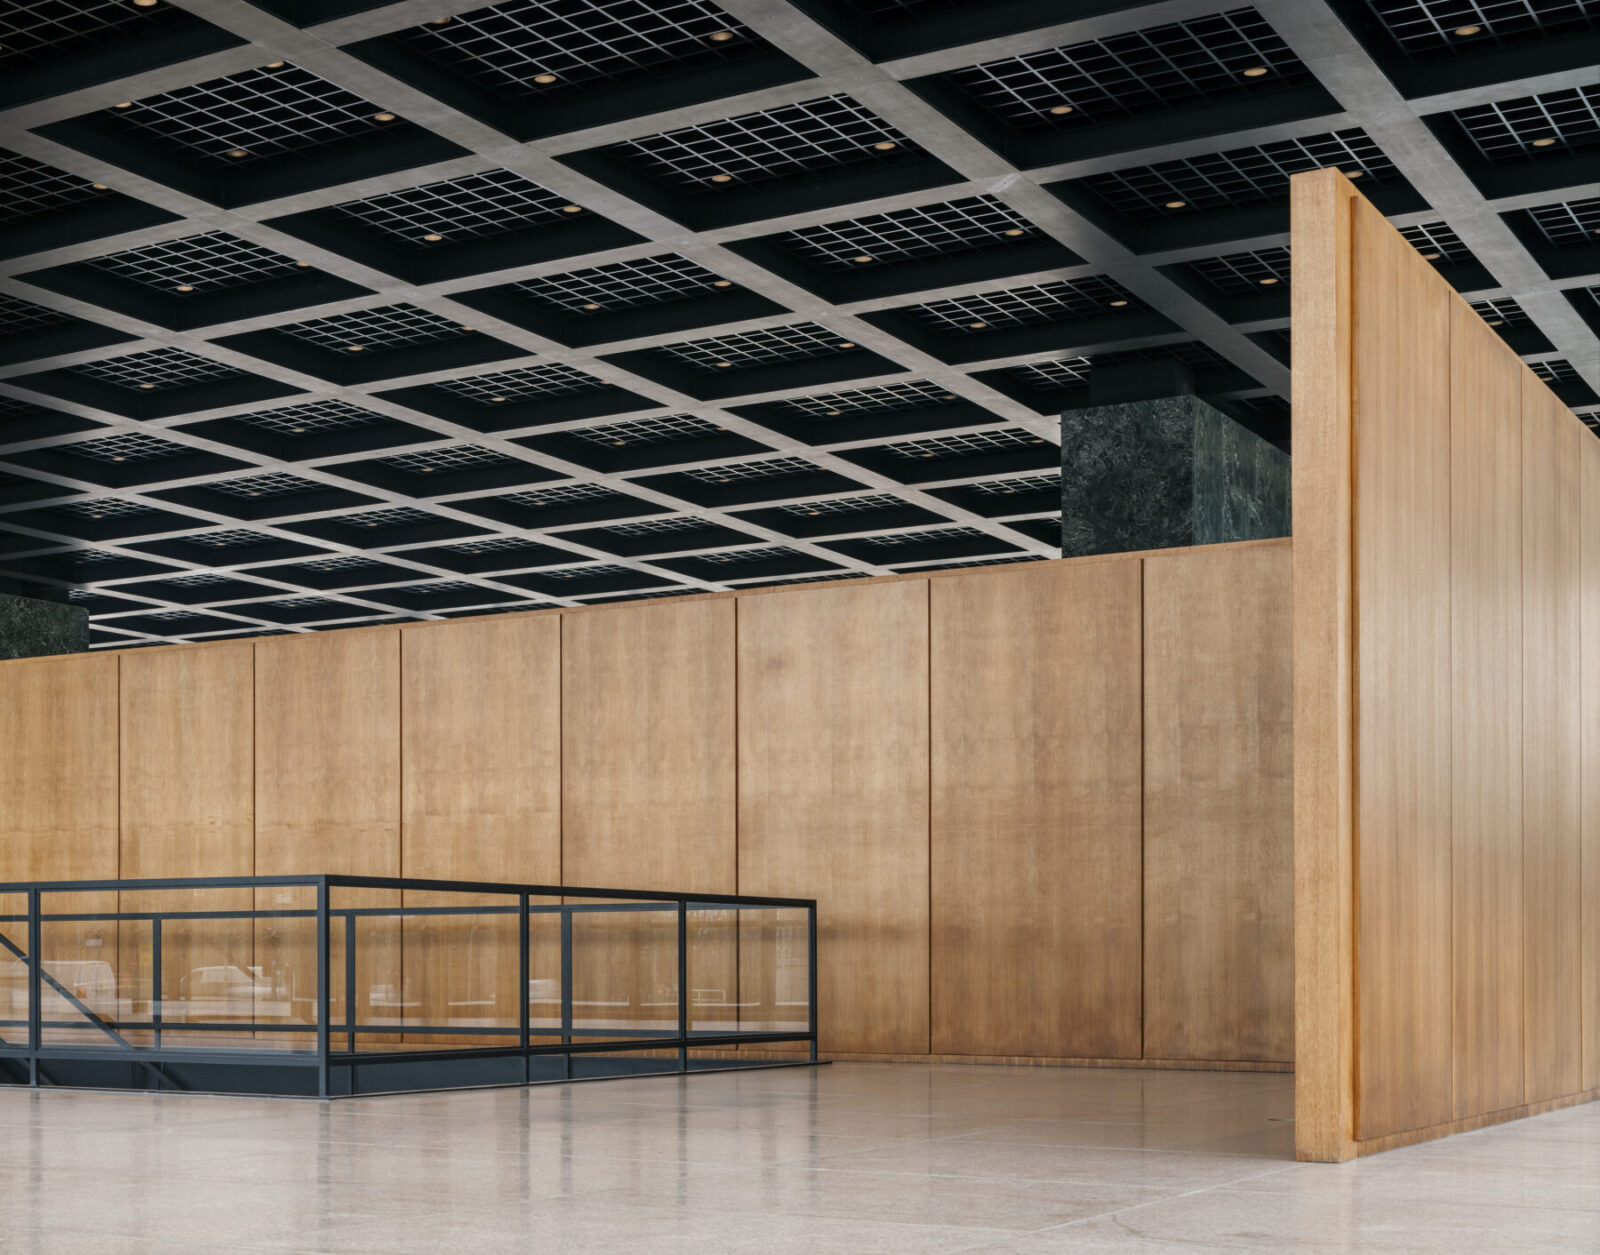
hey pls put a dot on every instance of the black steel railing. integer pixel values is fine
(333, 985)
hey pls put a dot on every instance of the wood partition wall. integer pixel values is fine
(1447, 705)
(1045, 808)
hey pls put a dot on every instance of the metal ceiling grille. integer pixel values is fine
(274, 484)
(916, 394)
(1572, 223)
(155, 370)
(541, 48)
(1534, 126)
(1502, 312)
(623, 285)
(35, 31)
(251, 118)
(875, 503)
(131, 447)
(760, 348)
(463, 457)
(317, 417)
(926, 536)
(1436, 242)
(1245, 274)
(474, 206)
(391, 327)
(1237, 178)
(30, 190)
(1555, 370)
(1150, 71)
(549, 380)
(777, 146)
(17, 316)
(1435, 29)
(1023, 307)
(772, 468)
(104, 508)
(566, 494)
(658, 527)
(973, 224)
(671, 429)
(213, 262)
(974, 444)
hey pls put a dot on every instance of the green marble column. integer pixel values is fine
(31, 628)
(1165, 473)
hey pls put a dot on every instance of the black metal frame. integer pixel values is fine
(336, 1066)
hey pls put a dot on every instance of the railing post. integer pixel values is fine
(566, 985)
(322, 989)
(683, 985)
(155, 978)
(350, 982)
(35, 987)
(811, 958)
(524, 1024)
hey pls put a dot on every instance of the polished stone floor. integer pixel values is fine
(849, 1159)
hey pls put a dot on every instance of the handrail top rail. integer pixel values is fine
(341, 881)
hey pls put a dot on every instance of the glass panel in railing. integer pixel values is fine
(624, 968)
(284, 966)
(14, 984)
(460, 970)
(87, 986)
(368, 1000)
(714, 1003)
(545, 932)
(774, 972)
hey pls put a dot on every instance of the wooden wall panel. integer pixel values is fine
(648, 745)
(1590, 650)
(188, 809)
(833, 793)
(1035, 811)
(1486, 713)
(1218, 805)
(328, 754)
(1402, 572)
(1322, 204)
(328, 800)
(649, 797)
(188, 761)
(480, 709)
(58, 768)
(1551, 754)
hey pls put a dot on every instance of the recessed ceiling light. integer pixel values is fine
(147, 386)
(274, 65)
(96, 516)
(1466, 32)
(433, 239)
(833, 413)
(303, 264)
(862, 258)
(619, 442)
(1012, 231)
(427, 470)
(186, 287)
(119, 459)
(722, 178)
(297, 431)
(1177, 204)
(1267, 283)
(144, 4)
(572, 209)
(723, 364)
(1255, 71)
(927, 455)
(237, 152)
(1543, 143)
(355, 348)
(99, 187)
(497, 399)
(721, 37)
(464, 327)
(884, 145)
(591, 306)
(123, 104)
(439, 21)
(977, 326)
(950, 396)
(722, 283)
(1354, 174)
(1059, 109)
(383, 117)
(1430, 257)
(544, 78)
(1496, 322)
(1118, 304)
(847, 344)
